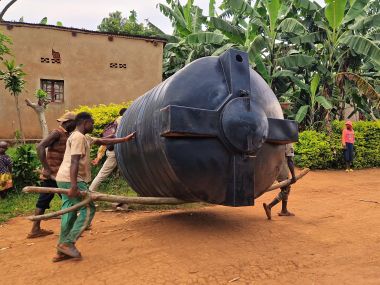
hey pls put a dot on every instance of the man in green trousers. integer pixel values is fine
(75, 174)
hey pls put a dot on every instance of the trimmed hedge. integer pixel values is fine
(318, 150)
(102, 114)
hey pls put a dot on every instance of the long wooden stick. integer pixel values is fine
(61, 212)
(288, 181)
(96, 196)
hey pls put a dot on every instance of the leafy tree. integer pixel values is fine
(39, 107)
(116, 23)
(192, 37)
(14, 83)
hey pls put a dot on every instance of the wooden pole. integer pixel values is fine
(288, 181)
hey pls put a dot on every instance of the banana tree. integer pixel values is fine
(191, 38)
(344, 39)
(263, 29)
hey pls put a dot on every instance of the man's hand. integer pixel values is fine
(73, 192)
(95, 161)
(130, 136)
(344, 146)
(293, 180)
(47, 173)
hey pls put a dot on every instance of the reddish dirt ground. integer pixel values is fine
(333, 239)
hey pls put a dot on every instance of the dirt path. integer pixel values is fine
(334, 239)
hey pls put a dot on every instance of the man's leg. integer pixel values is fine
(285, 194)
(107, 168)
(67, 224)
(73, 228)
(42, 204)
(282, 176)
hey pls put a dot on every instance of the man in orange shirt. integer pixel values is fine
(348, 140)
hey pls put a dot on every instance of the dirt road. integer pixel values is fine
(334, 239)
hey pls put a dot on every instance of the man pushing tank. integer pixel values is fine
(286, 165)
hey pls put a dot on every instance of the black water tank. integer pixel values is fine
(212, 132)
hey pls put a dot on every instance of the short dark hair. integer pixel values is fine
(82, 116)
(122, 111)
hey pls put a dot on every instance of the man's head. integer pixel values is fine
(348, 125)
(3, 147)
(68, 121)
(85, 122)
(122, 111)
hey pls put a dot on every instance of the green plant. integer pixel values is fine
(41, 94)
(313, 150)
(102, 114)
(318, 150)
(25, 164)
(14, 83)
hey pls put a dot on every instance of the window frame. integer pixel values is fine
(52, 95)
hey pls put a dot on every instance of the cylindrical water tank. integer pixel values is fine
(213, 132)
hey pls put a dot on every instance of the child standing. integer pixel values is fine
(5, 170)
(348, 140)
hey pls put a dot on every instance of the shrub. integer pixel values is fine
(319, 150)
(25, 163)
(102, 114)
(313, 150)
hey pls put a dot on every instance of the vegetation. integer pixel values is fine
(116, 23)
(102, 114)
(321, 59)
(318, 150)
(14, 83)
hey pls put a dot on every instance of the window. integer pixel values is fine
(54, 89)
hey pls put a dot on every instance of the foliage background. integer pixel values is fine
(320, 150)
(102, 114)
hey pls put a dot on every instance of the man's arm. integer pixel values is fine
(289, 159)
(41, 151)
(74, 168)
(110, 141)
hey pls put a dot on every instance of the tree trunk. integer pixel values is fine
(19, 118)
(43, 123)
(40, 111)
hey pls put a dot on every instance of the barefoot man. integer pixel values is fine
(74, 174)
(50, 152)
(287, 165)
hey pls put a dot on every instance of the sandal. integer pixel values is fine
(61, 257)
(69, 249)
(40, 233)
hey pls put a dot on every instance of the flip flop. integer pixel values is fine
(40, 233)
(286, 215)
(69, 250)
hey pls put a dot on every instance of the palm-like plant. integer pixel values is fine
(14, 83)
(192, 38)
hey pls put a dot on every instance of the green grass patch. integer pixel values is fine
(21, 204)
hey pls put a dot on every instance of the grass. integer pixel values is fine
(21, 204)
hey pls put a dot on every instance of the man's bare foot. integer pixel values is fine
(267, 211)
(286, 214)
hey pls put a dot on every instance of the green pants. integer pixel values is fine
(72, 224)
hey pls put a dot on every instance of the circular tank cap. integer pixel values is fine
(245, 125)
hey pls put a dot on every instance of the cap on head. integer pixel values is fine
(68, 116)
(348, 123)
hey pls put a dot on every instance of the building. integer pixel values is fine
(76, 67)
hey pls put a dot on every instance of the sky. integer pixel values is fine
(88, 14)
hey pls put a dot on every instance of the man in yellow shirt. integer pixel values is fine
(74, 174)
